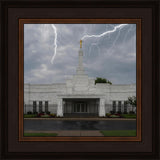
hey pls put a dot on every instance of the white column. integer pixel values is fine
(102, 108)
(60, 108)
(108, 108)
(122, 106)
(117, 106)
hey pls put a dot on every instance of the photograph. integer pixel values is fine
(80, 80)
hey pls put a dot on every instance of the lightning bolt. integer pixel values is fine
(55, 42)
(104, 33)
(85, 36)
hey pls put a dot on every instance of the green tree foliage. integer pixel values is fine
(132, 101)
(102, 80)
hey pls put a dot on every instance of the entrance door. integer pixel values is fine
(80, 108)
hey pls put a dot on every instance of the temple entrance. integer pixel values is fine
(80, 107)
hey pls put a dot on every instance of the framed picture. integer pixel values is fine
(74, 107)
(80, 78)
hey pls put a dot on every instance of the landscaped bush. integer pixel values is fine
(48, 112)
(119, 112)
(108, 114)
(30, 115)
(125, 112)
(40, 114)
(131, 112)
(35, 112)
(112, 112)
(29, 112)
(128, 115)
(114, 116)
(53, 115)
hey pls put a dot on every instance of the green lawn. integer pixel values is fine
(30, 115)
(119, 133)
(128, 115)
(40, 134)
(45, 116)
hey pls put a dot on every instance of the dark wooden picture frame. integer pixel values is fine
(78, 21)
(147, 146)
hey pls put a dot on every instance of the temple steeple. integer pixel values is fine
(80, 68)
(80, 43)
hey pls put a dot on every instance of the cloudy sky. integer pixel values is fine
(111, 56)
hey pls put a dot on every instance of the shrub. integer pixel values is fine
(53, 115)
(125, 112)
(40, 114)
(114, 116)
(29, 112)
(119, 112)
(112, 112)
(131, 112)
(129, 115)
(30, 115)
(108, 114)
(48, 112)
(35, 112)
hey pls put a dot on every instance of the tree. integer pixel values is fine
(132, 101)
(102, 80)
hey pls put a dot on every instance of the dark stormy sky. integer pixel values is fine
(111, 56)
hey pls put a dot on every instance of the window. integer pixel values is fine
(34, 106)
(46, 106)
(114, 106)
(119, 106)
(40, 106)
(125, 106)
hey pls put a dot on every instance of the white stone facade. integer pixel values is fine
(57, 97)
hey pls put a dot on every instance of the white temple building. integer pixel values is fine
(78, 95)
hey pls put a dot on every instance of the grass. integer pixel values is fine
(114, 116)
(45, 116)
(40, 134)
(128, 115)
(119, 133)
(30, 115)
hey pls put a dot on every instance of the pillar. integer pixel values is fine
(102, 108)
(60, 108)
(122, 106)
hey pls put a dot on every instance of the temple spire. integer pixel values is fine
(80, 43)
(80, 69)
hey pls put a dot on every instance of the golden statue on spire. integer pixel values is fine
(80, 43)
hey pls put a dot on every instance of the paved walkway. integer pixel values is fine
(78, 125)
(72, 133)
(81, 119)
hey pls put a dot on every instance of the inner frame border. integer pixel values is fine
(79, 21)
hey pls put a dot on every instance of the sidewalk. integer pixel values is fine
(72, 133)
(81, 119)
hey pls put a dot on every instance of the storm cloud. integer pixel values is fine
(112, 56)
